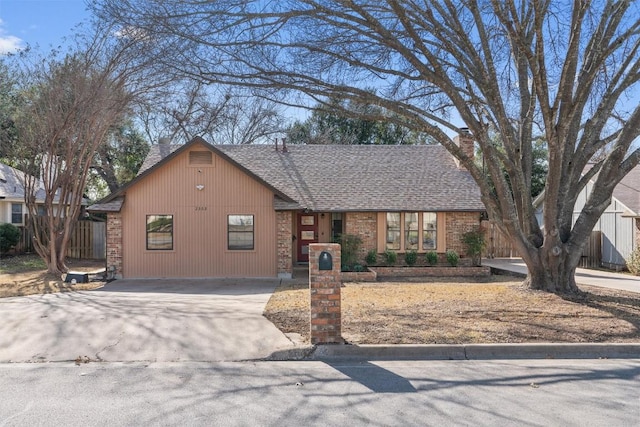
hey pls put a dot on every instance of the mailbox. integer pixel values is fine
(325, 261)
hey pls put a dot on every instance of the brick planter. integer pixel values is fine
(359, 276)
(436, 271)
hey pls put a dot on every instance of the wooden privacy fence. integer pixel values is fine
(500, 246)
(88, 241)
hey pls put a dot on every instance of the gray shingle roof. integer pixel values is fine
(628, 191)
(355, 177)
(108, 206)
(11, 187)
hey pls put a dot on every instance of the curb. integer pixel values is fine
(345, 352)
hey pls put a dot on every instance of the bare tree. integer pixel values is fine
(566, 70)
(187, 108)
(69, 103)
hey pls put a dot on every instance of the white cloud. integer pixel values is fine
(9, 43)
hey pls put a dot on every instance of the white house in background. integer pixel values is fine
(620, 222)
(12, 207)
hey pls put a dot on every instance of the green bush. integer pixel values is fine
(431, 257)
(350, 245)
(9, 236)
(633, 262)
(453, 258)
(411, 257)
(475, 243)
(390, 256)
(358, 268)
(372, 257)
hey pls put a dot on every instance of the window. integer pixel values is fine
(411, 231)
(336, 226)
(411, 225)
(429, 222)
(240, 232)
(16, 213)
(160, 232)
(393, 230)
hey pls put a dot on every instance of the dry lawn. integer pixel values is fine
(26, 275)
(457, 311)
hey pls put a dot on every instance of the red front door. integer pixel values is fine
(307, 233)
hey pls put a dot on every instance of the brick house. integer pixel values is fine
(202, 210)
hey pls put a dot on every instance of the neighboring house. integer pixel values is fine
(12, 207)
(200, 210)
(620, 223)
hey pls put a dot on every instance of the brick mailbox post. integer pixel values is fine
(324, 285)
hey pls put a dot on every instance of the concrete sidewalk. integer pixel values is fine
(143, 320)
(584, 276)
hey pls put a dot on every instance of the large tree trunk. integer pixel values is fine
(551, 271)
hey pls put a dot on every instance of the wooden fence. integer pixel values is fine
(88, 241)
(500, 246)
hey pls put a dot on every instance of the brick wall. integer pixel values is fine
(363, 224)
(459, 223)
(114, 244)
(284, 221)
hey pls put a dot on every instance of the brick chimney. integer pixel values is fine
(465, 141)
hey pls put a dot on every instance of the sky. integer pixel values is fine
(43, 23)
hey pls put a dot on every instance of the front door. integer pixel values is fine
(307, 233)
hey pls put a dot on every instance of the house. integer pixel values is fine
(199, 210)
(12, 207)
(619, 225)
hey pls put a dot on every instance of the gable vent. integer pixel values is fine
(200, 158)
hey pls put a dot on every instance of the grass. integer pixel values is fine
(21, 264)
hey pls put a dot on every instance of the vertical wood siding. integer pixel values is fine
(199, 222)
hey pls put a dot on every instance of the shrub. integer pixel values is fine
(372, 257)
(350, 245)
(9, 236)
(358, 268)
(431, 257)
(475, 243)
(452, 258)
(633, 262)
(411, 257)
(390, 256)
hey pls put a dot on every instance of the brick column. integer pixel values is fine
(324, 285)
(285, 246)
(114, 244)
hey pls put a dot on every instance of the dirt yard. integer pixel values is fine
(456, 311)
(26, 275)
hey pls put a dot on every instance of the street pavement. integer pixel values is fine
(428, 393)
(584, 276)
(143, 320)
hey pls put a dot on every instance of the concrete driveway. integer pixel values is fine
(143, 320)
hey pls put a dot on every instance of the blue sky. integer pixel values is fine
(38, 22)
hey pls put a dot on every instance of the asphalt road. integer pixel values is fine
(439, 393)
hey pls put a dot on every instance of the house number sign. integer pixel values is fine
(201, 208)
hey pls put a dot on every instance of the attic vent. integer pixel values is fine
(200, 158)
